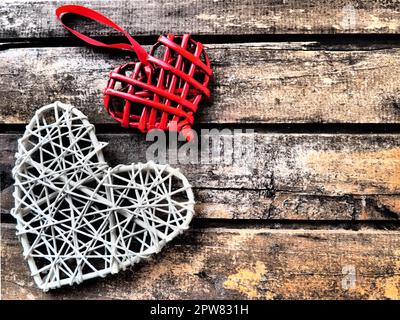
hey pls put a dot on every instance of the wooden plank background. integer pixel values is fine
(208, 17)
(318, 83)
(254, 83)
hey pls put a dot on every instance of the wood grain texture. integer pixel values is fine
(253, 83)
(218, 263)
(282, 206)
(321, 182)
(291, 176)
(27, 19)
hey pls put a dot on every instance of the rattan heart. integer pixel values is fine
(77, 218)
(161, 91)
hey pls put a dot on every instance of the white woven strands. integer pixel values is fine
(77, 218)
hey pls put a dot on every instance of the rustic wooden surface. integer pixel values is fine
(323, 191)
(238, 263)
(207, 17)
(345, 86)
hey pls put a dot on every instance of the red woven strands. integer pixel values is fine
(161, 91)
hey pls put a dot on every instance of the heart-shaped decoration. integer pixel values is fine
(77, 218)
(163, 90)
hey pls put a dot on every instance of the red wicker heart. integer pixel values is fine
(161, 91)
(166, 95)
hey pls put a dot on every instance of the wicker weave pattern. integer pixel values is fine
(77, 218)
(164, 94)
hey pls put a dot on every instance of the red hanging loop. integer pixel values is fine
(95, 16)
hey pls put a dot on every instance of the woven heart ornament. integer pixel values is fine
(78, 218)
(161, 91)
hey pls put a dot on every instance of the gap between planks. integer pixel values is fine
(277, 128)
(333, 42)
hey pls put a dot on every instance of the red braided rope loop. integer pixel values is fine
(161, 91)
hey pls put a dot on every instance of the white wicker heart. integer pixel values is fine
(77, 218)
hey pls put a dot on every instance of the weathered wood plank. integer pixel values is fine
(292, 176)
(254, 83)
(259, 204)
(325, 164)
(237, 263)
(27, 19)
